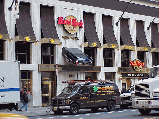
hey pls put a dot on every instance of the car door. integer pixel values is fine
(84, 96)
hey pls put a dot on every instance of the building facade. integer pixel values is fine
(35, 31)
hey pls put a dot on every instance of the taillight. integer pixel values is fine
(76, 62)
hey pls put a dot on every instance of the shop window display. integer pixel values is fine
(26, 81)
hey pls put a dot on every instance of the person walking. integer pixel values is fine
(24, 99)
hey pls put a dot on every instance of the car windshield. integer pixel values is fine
(82, 56)
(70, 90)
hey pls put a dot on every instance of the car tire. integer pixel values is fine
(58, 112)
(111, 106)
(74, 109)
(144, 111)
(95, 109)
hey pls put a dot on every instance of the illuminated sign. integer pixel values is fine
(134, 75)
(137, 65)
(70, 23)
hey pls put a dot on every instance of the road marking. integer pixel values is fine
(120, 111)
(97, 113)
(125, 110)
(65, 116)
(133, 110)
(76, 115)
(51, 117)
(87, 114)
(109, 112)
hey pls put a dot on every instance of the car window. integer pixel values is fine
(84, 89)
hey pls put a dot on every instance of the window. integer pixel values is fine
(22, 50)
(125, 58)
(47, 54)
(108, 55)
(84, 89)
(110, 76)
(141, 56)
(91, 53)
(26, 81)
(155, 58)
(2, 50)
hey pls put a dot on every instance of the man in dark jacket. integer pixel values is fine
(24, 99)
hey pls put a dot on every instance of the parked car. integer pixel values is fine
(86, 96)
(126, 97)
(76, 56)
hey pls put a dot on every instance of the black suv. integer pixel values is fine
(86, 96)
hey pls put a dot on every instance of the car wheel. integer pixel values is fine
(144, 111)
(58, 112)
(95, 109)
(111, 106)
(74, 109)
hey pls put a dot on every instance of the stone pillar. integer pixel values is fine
(36, 88)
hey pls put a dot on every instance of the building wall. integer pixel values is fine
(63, 9)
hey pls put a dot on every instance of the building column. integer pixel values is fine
(36, 88)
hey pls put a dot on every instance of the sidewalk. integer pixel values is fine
(31, 111)
(36, 111)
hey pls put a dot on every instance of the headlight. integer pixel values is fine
(156, 94)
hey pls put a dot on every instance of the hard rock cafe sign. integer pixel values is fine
(70, 23)
(137, 65)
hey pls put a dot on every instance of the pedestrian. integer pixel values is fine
(24, 99)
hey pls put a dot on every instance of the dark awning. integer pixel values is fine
(89, 28)
(24, 24)
(125, 32)
(108, 30)
(154, 35)
(48, 22)
(3, 27)
(140, 34)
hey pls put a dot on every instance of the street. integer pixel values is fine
(102, 114)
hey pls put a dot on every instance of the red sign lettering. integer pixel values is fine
(72, 22)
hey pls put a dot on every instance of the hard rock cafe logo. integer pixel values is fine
(137, 65)
(70, 23)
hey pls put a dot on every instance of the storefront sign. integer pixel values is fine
(134, 75)
(137, 65)
(70, 23)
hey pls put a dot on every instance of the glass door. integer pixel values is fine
(46, 92)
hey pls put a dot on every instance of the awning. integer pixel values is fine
(48, 23)
(90, 30)
(154, 38)
(140, 34)
(24, 24)
(3, 27)
(125, 34)
(108, 31)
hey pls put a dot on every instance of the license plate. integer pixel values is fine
(55, 108)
